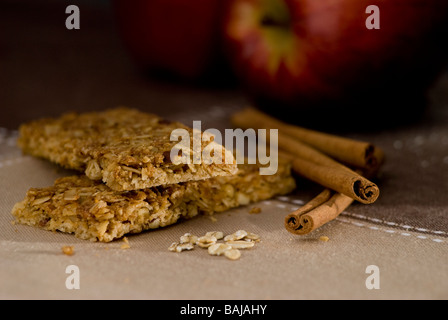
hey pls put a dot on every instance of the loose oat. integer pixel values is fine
(237, 235)
(229, 248)
(232, 254)
(185, 246)
(252, 237)
(218, 249)
(179, 247)
(188, 238)
(217, 234)
(173, 246)
(324, 238)
(240, 244)
(206, 241)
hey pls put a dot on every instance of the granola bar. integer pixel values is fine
(125, 148)
(93, 211)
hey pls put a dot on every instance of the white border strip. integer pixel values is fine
(344, 217)
(393, 224)
(406, 234)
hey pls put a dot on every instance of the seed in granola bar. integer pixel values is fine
(93, 170)
(242, 198)
(71, 195)
(229, 190)
(41, 200)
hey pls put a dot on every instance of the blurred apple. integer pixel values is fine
(318, 55)
(175, 37)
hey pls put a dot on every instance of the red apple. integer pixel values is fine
(305, 54)
(178, 37)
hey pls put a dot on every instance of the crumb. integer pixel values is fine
(125, 245)
(255, 210)
(68, 250)
(213, 219)
(324, 238)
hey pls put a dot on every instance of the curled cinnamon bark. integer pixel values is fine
(334, 176)
(293, 220)
(341, 165)
(324, 208)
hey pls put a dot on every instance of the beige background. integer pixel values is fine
(282, 266)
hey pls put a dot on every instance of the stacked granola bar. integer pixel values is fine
(128, 183)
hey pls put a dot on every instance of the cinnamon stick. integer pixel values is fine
(317, 156)
(352, 152)
(323, 170)
(293, 221)
(348, 183)
(324, 208)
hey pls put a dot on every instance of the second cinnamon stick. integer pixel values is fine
(325, 207)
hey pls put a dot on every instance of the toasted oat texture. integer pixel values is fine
(233, 254)
(125, 148)
(93, 211)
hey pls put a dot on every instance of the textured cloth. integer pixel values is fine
(411, 260)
